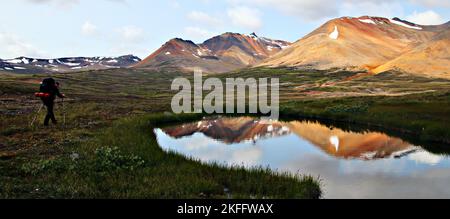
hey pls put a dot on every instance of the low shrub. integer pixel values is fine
(107, 158)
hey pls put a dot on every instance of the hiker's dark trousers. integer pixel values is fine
(50, 114)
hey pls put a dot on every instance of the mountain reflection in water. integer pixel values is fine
(352, 165)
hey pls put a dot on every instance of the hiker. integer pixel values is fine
(48, 91)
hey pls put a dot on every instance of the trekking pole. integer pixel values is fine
(64, 114)
(37, 114)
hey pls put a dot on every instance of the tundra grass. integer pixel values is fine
(107, 148)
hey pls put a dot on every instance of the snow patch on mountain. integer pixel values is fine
(25, 61)
(69, 64)
(274, 42)
(404, 24)
(367, 21)
(335, 34)
(14, 61)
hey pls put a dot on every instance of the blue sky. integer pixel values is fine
(58, 28)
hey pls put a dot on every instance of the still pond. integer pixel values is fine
(349, 164)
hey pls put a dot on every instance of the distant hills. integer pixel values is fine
(33, 65)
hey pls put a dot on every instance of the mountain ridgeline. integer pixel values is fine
(224, 53)
(64, 65)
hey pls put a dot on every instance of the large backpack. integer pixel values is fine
(47, 85)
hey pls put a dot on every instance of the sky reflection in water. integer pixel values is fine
(351, 165)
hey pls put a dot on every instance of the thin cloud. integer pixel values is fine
(89, 29)
(432, 3)
(245, 17)
(65, 3)
(59, 3)
(304, 9)
(13, 46)
(200, 17)
(198, 34)
(388, 9)
(131, 34)
(320, 10)
(426, 18)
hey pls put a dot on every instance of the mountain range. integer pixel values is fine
(223, 53)
(72, 64)
(372, 44)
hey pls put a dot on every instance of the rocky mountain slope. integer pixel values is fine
(429, 59)
(367, 43)
(224, 53)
